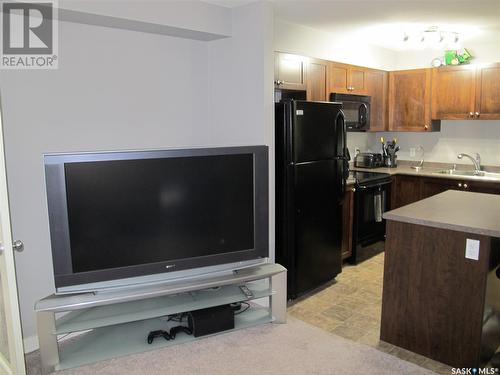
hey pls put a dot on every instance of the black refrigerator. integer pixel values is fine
(311, 171)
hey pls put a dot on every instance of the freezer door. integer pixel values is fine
(316, 132)
(318, 224)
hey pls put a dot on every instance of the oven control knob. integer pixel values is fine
(460, 184)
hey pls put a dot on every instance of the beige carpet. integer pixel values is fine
(292, 348)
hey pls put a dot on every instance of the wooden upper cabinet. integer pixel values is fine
(453, 92)
(409, 100)
(337, 77)
(290, 71)
(357, 83)
(376, 86)
(316, 80)
(346, 79)
(488, 92)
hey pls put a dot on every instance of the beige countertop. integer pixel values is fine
(429, 170)
(462, 211)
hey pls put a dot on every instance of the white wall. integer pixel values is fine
(362, 141)
(483, 53)
(293, 38)
(455, 137)
(118, 89)
(113, 90)
(192, 15)
(242, 88)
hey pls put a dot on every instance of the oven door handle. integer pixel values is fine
(375, 184)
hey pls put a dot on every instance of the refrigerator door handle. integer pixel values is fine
(344, 172)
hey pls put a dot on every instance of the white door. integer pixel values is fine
(11, 340)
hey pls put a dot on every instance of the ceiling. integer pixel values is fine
(384, 22)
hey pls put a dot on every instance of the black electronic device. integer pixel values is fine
(175, 330)
(368, 160)
(247, 292)
(211, 320)
(356, 109)
(160, 333)
(123, 218)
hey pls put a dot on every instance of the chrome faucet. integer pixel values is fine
(476, 161)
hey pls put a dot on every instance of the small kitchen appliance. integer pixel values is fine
(368, 160)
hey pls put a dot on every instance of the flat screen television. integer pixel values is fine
(119, 218)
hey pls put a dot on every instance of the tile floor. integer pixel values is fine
(351, 307)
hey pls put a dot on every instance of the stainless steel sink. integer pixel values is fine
(471, 174)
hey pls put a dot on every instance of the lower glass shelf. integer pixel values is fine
(129, 338)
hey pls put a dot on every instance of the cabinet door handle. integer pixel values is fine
(471, 114)
(477, 114)
(426, 127)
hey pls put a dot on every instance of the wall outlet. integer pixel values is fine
(412, 152)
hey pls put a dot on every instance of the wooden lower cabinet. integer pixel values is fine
(347, 222)
(434, 298)
(433, 186)
(407, 189)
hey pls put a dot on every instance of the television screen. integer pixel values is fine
(115, 215)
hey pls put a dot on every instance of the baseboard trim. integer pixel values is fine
(30, 344)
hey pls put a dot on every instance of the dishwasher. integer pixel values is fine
(371, 200)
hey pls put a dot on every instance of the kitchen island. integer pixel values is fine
(441, 295)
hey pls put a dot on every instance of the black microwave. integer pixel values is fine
(356, 110)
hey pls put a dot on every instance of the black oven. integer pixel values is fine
(371, 200)
(356, 110)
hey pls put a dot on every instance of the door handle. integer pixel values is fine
(18, 246)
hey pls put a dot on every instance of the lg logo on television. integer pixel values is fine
(29, 35)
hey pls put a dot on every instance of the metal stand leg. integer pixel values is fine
(49, 351)
(278, 300)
